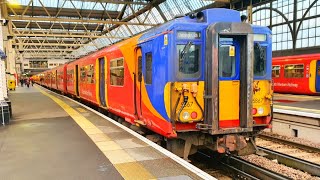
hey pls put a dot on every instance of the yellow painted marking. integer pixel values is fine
(81, 110)
(296, 108)
(117, 156)
(99, 137)
(132, 171)
(108, 146)
(113, 156)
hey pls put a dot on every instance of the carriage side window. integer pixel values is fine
(260, 60)
(90, 74)
(294, 71)
(275, 71)
(149, 68)
(70, 75)
(227, 63)
(82, 74)
(189, 58)
(60, 77)
(117, 72)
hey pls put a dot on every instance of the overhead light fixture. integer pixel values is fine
(13, 3)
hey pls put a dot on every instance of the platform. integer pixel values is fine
(51, 137)
(297, 104)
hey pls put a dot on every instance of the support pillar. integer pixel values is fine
(3, 82)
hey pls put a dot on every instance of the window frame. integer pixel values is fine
(294, 69)
(276, 70)
(70, 75)
(90, 72)
(146, 70)
(117, 67)
(195, 42)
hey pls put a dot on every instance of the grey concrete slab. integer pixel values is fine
(29, 103)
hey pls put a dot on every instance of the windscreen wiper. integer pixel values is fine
(185, 50)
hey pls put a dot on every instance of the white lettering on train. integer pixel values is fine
(287, 84)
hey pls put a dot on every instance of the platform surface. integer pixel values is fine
(301, 103)
(51, 137)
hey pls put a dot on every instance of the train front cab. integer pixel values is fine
(217, 95)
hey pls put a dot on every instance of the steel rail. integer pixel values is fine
(291, 143)
(249, 170)
(294, 162)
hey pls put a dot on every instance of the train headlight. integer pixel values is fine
(260, 110)
(185, 115)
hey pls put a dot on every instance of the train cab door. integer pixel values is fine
(138, 83)
(229, 82)
(102, 82)
(77, 80)
(318, 76)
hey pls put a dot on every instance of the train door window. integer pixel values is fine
(90, 74)
(260, 60)
(189, 59)
(294, 71)
(117, 72)
(140, 68)
(318, 70)
(275, 71)
(149, 68)
(227, 62)
(82, 74)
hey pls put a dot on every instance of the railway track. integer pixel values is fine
(291, 161)
(290, 143)
(247, 170)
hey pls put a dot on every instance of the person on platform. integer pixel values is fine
(27, 83)
(21, 82)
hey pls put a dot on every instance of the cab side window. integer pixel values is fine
(149, 68)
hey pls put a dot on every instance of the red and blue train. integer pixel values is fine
(199, 80)
(298, 74)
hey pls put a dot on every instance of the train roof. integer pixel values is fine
(297, 57)
(209, 16)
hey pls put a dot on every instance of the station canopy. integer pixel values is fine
(69, 29)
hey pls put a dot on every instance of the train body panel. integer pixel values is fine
(297, 74)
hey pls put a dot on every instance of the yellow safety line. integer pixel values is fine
(126, 165)
(296, 108)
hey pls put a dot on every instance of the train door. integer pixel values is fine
(229, 82)
(318, 76)
(77, 80)
(138, 83)
(102, 83)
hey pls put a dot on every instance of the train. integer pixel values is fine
(198, 81)
(298, 74)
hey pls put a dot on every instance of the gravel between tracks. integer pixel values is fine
(286, 149)
(279, 168)
(293, 139)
